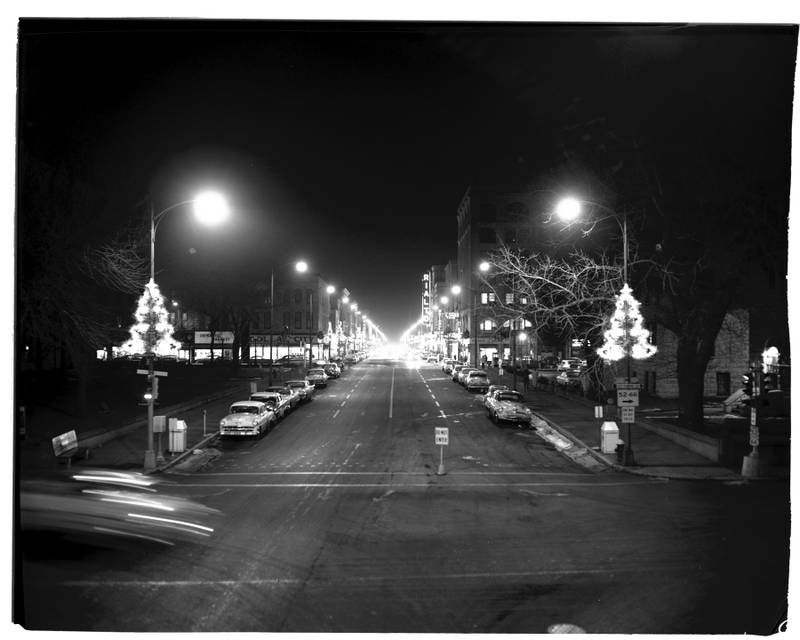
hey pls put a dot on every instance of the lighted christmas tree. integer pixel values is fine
(626, 335)
(152, 332)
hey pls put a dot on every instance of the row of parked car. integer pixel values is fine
(259, 414)
(503, 405)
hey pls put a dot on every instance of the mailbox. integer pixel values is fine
(609, 436)
(177, 435)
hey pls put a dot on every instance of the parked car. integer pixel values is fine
(277, 402)
(447, 365)
(287, 392)
(247, 418)
(303, 387)
(495, 387)
(571, 363)
(456, 370)
(462, 375)
(506, 405)
(569, 378)
(317, 377)
(331, 370)
(477, 381)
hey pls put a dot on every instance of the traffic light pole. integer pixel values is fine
(751, 464)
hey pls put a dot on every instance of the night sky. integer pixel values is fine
(351, 144)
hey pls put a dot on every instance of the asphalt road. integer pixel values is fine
(337, 521)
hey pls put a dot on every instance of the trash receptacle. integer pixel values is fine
(177, 435)
(609, 435)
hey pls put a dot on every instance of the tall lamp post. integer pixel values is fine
(210, 209)
(626, 338)
(301, 267)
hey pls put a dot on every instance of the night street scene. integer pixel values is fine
(402, 327)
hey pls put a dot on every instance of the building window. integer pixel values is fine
(298, 319)
(309, 298)
(308, 320)
(523, 299)
(484, 298)
(487, 325)
(509, 298)
(287, 320)
(298, 296)
(287, 296)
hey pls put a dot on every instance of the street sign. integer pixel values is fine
(628, 397)
(627, 415)
(159, 424)
(145, 372)
(753, 436)
(442, 435)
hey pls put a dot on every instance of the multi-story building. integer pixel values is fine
(488, 217)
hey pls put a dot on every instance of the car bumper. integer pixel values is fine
(238, 431)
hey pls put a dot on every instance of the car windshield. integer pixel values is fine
(477, 374)
(245, 409)
(315, 372)
(513, 397)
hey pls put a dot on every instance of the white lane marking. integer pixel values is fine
(436, 402)
(441, 411)
(391, 395)
(344, 402)
(336, 413)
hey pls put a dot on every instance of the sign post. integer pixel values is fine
(627, 399)
(442, 438)
(152, 378)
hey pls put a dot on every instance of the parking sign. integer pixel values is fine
(442, 435)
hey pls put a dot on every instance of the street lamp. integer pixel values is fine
(626, 338)
(301, 267)
(210, 209)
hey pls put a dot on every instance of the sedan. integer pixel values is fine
(276, 402)
(477, 381)
(247, 418)
(462, 375)
(447, 365)
(331, 370)
(569, 378)
(303, 387)
(317, 377)
(287, 392)
(507, 406)
(456, 370)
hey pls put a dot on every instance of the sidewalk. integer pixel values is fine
(567, 421)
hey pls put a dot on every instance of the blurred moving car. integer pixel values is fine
(276, 402)
(317, 377)
(569, 378)
(108, 508)
(288, 393)
(570, 364)
(505, 405)
(477, 381)
(303, 387)
(247, 418)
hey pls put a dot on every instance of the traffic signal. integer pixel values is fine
(148, 394)
(768, 383)
(747, 385)
(155, 388)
